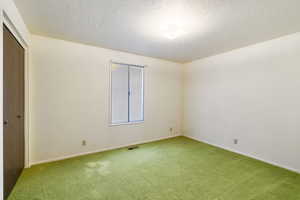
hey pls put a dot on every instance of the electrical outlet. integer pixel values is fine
(83, 143)
(235, 141)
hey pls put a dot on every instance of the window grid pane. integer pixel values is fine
(127, 94)
(119, 85)
(136, 94)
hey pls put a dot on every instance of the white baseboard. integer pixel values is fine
(245, 154)
(100, 150)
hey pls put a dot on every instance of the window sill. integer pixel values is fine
(127, 123)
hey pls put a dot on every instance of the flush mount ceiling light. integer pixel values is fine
(170, 20)
(172, 31)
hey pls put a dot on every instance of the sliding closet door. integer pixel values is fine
(13, 102)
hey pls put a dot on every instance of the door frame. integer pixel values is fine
(12, 28)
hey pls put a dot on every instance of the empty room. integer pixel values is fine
(150, 100)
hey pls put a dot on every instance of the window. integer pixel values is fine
(127, 93)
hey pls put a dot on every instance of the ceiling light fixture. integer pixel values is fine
(172, 31)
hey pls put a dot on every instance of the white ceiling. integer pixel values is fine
(211, 26)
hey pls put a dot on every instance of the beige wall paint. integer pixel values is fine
(250, 94)
(70, 99)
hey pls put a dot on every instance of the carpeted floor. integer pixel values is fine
(173, 169)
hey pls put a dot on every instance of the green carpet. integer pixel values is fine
(173, 169)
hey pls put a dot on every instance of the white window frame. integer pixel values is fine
(110, 92)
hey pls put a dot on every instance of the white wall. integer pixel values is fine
(70, 99)
(251, 94)
(10, 16)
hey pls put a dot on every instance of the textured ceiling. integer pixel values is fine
(210, 26)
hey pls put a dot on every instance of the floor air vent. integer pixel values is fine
(133, 147)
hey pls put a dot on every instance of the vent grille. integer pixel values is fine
(133, 147)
